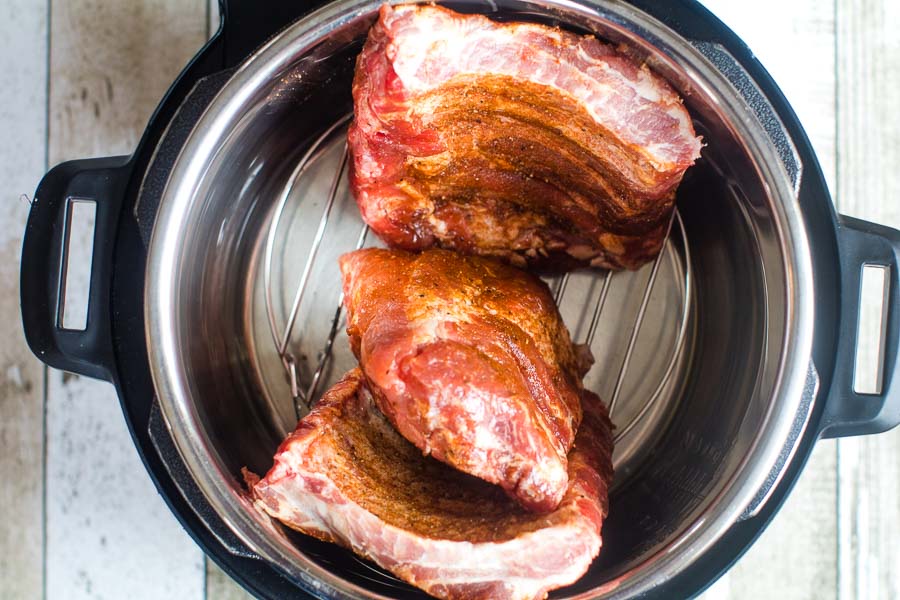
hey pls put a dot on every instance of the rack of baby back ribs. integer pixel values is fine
(463, 454)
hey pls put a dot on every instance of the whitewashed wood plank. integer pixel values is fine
(868, 187)
(109, 535)
(115, 59)
(23, 106)
(219, 586)
(796, 557)
(212, 22)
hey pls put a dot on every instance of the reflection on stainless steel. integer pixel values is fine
(734, 307)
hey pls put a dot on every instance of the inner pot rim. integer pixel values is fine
(165, 266)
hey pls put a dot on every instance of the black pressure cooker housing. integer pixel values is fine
(113, 347)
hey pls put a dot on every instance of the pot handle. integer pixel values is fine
(85, 351)
(848, 412)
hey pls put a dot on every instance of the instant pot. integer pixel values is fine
(214, 287)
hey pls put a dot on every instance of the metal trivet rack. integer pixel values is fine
(305, 395)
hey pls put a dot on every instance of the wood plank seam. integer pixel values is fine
(109, 534)
(868, 89)
(44, 370)
(23, 65)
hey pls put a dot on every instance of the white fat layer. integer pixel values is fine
(471, 41)
(446, 562)
(685, 129)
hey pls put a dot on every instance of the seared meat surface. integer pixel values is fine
(513, 140)
(470, 360)
(346, 476)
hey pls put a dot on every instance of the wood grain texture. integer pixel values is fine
(213, 17)
(796, 557)
(219, 586)
(111, 62)
(23, 105)
(868, 187)
(109, 535)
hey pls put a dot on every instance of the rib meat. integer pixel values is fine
(470, 360)
(513, 140)
(346, 476)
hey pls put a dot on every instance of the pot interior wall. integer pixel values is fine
(738, 286)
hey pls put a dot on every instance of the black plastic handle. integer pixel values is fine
(89, 351)
(846, 411)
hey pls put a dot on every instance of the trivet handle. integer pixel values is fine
(848, 412)
(85, 351)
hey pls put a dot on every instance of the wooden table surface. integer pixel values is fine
(79, 78)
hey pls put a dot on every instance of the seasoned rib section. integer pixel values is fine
(513, 140)
(346, 476)
(470, 360)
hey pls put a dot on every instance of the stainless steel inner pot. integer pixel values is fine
(720, 359)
